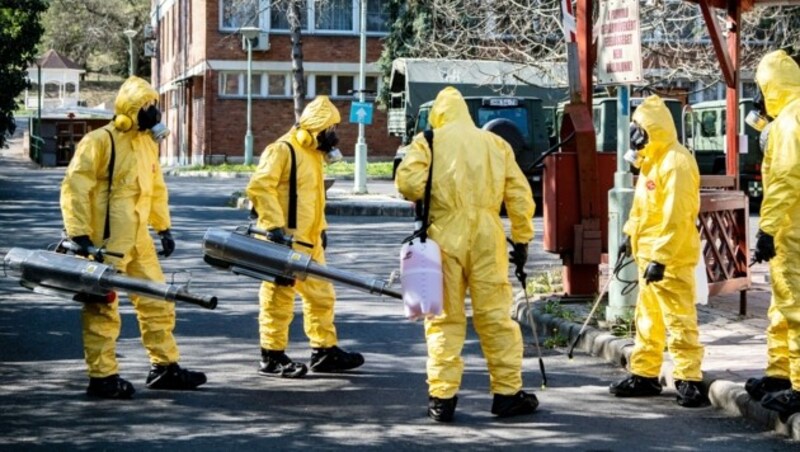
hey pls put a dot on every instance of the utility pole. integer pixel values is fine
(249, 33)
(130, 34)
(620, 201)
(360, 180)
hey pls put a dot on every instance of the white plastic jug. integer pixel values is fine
(421, 278)
(701, 280)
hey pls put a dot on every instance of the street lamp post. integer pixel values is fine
(130, 34)
(360, 179)
(249, 34)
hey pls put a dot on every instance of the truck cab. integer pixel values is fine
(519, 120)
(706, 129)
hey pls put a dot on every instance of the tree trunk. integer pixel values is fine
(293, 16)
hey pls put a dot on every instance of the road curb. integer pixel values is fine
(355, 208)
(725, 395)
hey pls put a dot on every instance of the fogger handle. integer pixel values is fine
(208, 302)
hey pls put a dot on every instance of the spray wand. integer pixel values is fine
(523, 278)
(620, 264)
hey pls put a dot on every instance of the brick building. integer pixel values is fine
(200, 70)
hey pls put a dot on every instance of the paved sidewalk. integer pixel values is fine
(735, 349)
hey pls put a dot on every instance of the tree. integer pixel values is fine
(90, 33)
(410, 23)
(675, 37)
(20, 31)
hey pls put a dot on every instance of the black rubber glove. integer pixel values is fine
(654, 272)
(519, 255)
(85, 243)
(625, 248)
(278, 236)
(765, 247)
(324, 240)
(167, 243)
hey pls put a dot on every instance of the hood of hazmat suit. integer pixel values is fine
(662, 223)
(269, 187)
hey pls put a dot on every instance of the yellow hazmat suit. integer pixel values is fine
(138, 199)
(662, 228)
(269, 191)
(778, 76)
(474, 172)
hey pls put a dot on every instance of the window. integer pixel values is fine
(324, 85)
(708, 124)
(277, 15)
(235, 14)
(230, 83)
(344, 85)
(517, 115)
(276, 84)
(371, 84)
(378, 15)
(255, 87)
(334, 15)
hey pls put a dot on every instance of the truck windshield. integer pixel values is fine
(517, 115)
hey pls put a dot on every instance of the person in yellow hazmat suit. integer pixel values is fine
(474, 173)
(778, 239)
(288, 195)
(665, 244)
(113, 191)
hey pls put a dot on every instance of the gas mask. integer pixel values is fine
(639, 140)
(328, 140)
(150, 119)
(758, 117)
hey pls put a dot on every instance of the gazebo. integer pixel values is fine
(60, 78)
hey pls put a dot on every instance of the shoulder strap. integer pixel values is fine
(292, 221)
(422, 208)
(107, 230)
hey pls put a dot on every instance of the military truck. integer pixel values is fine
(604, 116)
(706, 135)
(415, 81)
(520, 121)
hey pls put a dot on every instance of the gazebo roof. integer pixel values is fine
(54, 60)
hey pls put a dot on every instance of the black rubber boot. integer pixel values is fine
(275, 363)
(518, 404)
(636, 386)
(334, 359)
(442, 410)
(690, 394)
(786, 403)
(759, 387)
(110, 387)
(173, 377)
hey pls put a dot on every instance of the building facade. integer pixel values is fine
(200, 69)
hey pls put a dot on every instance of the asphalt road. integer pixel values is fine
(380, 406)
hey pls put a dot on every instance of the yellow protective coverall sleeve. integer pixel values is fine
(778, 76)
(474, 172)
(138, 197)
(272, 172)
(662, 227)
(269, 191)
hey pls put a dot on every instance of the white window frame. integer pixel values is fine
(310, 27)
(263, 17)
